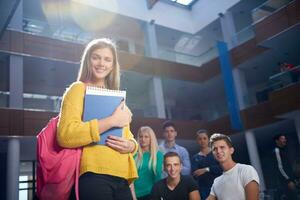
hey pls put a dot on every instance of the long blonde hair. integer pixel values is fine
(153, 149)
(112, 81)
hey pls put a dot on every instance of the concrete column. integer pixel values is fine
(168, 112)
(151, 50)
(228, 29)
(16, 64)
(13, 169)
(131, 47)
(158, 97)
(241, 87)
(15, 81)
(150, 40)
(254, 157)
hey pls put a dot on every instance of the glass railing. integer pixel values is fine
(41, 102)
(194, 114)
(267, 9)
(211, 113)
(198, 60)
(248, 100)
(64, 33)
(4, 99)
(76, 35)
(139, 110)
(72, 33)
(278, 81)
(245, 34)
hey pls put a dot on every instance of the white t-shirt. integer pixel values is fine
(230, 185)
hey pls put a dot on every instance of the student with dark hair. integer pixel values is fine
(238, 181)
(169, 145)
(175, 186)
(205, 168)
(285, 177)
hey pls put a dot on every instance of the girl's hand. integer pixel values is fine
(120, 144)
(122, 116)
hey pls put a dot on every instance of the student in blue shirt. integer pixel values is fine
(169, 145)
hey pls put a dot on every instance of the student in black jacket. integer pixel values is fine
(285, 176)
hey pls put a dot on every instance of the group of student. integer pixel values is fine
(237, 182)
(107, 171)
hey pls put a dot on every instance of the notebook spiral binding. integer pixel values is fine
(94, 90)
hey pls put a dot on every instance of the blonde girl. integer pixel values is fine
(149, 163)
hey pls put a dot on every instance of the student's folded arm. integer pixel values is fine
(72, 132)
(194, 164)
(211, 197)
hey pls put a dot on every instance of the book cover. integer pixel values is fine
(100, 103)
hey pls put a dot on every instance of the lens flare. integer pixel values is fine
(93, 19)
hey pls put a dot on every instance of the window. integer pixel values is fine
(182, 3)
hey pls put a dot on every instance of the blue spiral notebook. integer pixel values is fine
(100, 103)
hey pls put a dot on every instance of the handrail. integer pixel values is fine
(247, 32)
(267, 8)
(76, 37)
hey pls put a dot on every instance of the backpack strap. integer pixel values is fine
(78, 155)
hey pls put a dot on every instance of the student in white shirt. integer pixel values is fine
(238, 181)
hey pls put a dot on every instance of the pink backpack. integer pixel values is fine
(57, 168)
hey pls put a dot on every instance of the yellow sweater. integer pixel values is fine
(73, 132)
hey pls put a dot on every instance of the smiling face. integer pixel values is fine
(173, 166)
(101, 64)
(222, 151)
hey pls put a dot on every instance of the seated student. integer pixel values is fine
(175, 186)
(169, 144)
(205, 168)
(239, 181)
(149, 163)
